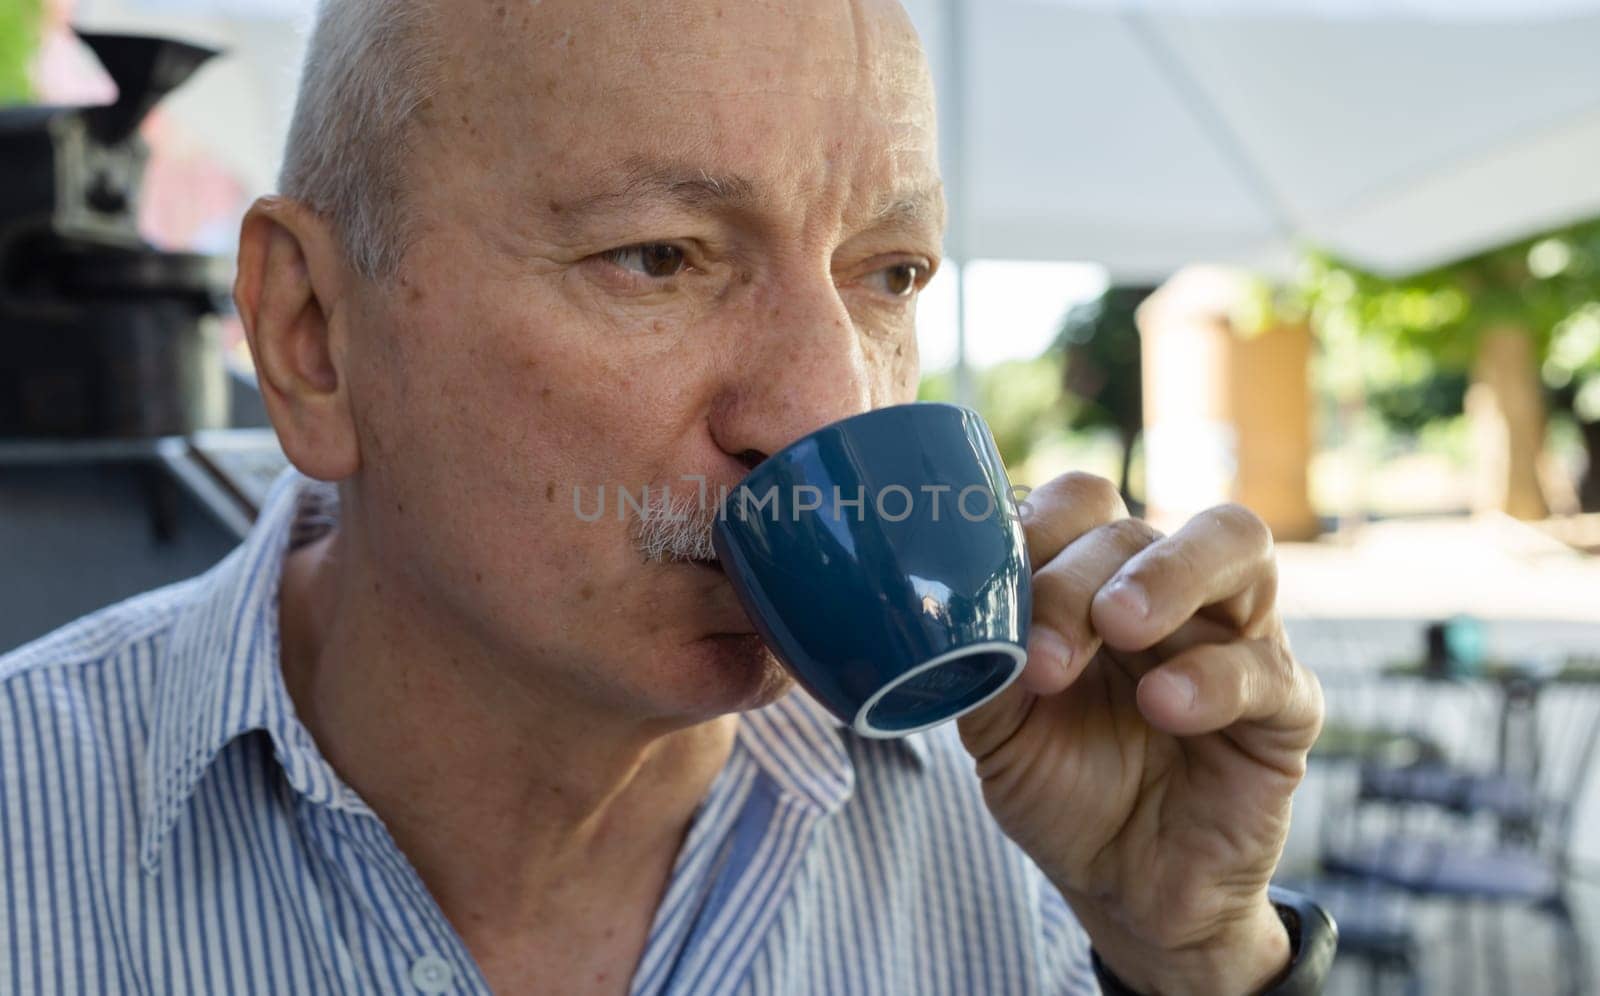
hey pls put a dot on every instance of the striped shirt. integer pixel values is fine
(167, 825)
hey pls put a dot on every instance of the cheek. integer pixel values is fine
(895, 366)
(908, 368)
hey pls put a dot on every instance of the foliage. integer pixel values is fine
(1020, 399)
(1100, 340)
(1573, 359)
(1407, 342)
(19, 38)
(1411, 408)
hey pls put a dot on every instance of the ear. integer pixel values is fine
(292, 277)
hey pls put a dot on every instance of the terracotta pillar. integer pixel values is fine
(1506, 405)
(1227, 410)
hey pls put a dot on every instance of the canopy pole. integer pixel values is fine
(954, 139)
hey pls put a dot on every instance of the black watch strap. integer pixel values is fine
(1313, 939)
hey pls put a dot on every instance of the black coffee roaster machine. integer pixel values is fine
(129, 454)
(104, 335)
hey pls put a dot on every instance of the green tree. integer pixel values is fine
(1100, 342)
(1020, 399)
(1413, 340)
(19, 38)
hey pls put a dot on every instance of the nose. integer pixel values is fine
(798, 363)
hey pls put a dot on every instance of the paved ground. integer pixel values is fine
(1360, 600)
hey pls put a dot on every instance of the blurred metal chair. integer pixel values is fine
(1368, 723)
(1454, 859)
(1512, 800)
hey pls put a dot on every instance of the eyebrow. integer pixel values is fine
(698, 189)
(924, 206)
(693, 188)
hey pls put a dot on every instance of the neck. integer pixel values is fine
(514, 802)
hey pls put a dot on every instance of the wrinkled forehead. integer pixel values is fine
(826, 97)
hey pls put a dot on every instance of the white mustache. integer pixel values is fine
(679, 530)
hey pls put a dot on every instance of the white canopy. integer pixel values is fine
(1146, 134)
(1149, 135)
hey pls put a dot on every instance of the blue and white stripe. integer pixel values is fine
(167, 825)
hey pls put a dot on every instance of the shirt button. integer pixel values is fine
(431, 974)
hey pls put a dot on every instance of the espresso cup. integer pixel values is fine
(882, 561)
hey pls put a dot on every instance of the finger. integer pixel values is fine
(987, 728)
(1221, 561)
(1053, 516)
(1062, 639)
(1210, 688)
(1065, 508)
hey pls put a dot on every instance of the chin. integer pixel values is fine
(735, 673)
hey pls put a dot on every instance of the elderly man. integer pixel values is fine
(429, 731)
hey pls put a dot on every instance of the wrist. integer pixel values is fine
(1246, 956)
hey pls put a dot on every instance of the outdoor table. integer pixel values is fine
(1520, 681)
(1346, 742)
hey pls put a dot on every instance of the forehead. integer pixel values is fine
(826, 98)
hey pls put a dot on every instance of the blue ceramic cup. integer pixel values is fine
(882, 561)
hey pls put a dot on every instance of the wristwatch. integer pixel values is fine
(1313, 939)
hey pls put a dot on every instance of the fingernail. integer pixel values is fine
(1180, 688)
(1131, 597)
(1047, 646)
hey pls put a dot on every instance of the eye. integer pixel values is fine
(657, 259)
(902, 279)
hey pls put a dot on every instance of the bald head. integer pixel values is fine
(383, 78)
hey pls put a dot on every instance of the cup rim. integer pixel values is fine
(788, 450)
(1019, 658)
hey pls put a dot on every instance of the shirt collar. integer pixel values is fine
(806, 750)
(915, 745)
(221, 676)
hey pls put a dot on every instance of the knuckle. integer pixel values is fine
(1092, 493)
(1275, 665)
(1237, 520)
(1131, 535)
(1268, 676)
(1286, 671)
(1065, 508)
(1307, 685)
(1246, 683)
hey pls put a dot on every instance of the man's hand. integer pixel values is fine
(1146, 757)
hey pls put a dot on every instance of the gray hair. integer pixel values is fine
(369, 66)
